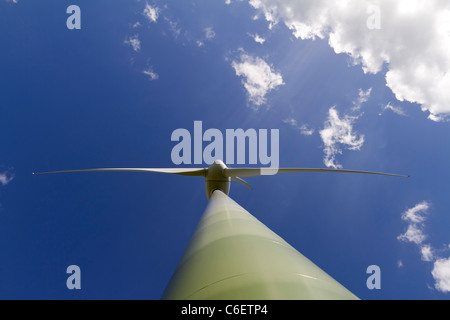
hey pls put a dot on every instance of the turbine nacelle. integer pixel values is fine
(216, 180)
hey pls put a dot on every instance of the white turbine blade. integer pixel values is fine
(241, 181)
(252, 172)
(200, 172)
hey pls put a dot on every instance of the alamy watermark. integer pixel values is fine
(373, 21)
(74, 280)
(74, 20)
(374, 280)
(206, 147)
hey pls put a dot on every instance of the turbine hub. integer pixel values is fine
(216, 180)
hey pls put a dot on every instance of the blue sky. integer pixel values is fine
(343, 90)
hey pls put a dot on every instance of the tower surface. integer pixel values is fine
(233, 256)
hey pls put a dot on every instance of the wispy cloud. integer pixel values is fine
(415, 217)
(395, 109)
(259, 78)
(411, 39)
(151, 74)
(304, 128)
(257, 38)
(291, 122)
(151, 13)
(363, 97)
(173, 27)
(6, 177)
(338, 134)
(417, 214)
(209, 33)
(415, 233)
(134, 42)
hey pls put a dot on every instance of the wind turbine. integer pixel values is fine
(233, 256)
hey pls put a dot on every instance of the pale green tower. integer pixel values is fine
(232, 255)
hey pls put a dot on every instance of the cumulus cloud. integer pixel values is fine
(441, 274)
(410, 37)
(259, 78)
(416, 217)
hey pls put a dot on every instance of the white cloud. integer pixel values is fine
(6, 177)
(134, 42)
(151, 74)
(395, 109)
(306, 130)
(338, 134)
(257, 38)
(291, 122)
(427, 253)
(413, 234)
(416, 216)
(363, 96)
(441, 274)
(209, 33)
(412, 40)
(174, 28)
(151, 13)
(259, 78)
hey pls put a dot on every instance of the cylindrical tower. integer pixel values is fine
(233, 256)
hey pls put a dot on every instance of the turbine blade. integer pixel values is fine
(241, 181)
(196, 172)
(252, 172)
